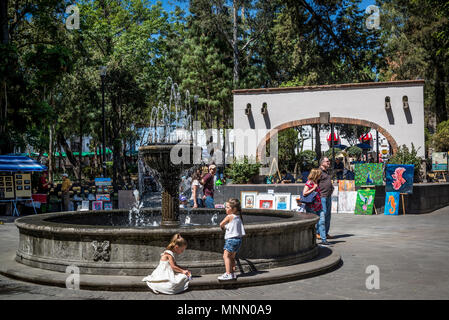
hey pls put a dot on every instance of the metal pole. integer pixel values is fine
(377, 146)
(332, 146)
(104, 129)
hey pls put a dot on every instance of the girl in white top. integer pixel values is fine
(233, 225)
(168, 277)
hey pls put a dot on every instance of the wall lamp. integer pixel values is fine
(264, 109)
(387, 104)
(405, 103)
(248, 109)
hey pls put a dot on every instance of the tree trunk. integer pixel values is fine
(317, 141)
(235, 48)
(50, 155)
(72, 159)
(4, 32)
(440, 95)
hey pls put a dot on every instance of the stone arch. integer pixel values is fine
(335, 120)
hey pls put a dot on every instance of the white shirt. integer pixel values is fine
(234, 228)
(199, 190)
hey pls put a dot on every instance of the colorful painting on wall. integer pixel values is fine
(369, 174)
(365, 202)
(392, 203)
(346, 185)
(346, 201)
(399, 178)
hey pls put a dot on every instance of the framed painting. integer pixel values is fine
(334, 201)
(282, 201)
(399, 178)
(265, 201)
(392, 203)
(365, 201)
(346, 185)
(369, 174)
(346, 201)
(107, 205)
(97, 205)
(293, 202)
(248, 199)
(103, 197)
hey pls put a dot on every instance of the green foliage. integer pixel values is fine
(406, 156)
(307, 160)
(440, 139)
(287, 142)
(354, 151)
(328, 153)
(242, 171)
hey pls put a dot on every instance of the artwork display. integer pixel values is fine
(97, 205)
(369, 174)
(103, 197)
(84, 205)
(399, 178)
(334, 201)
(265, 201)
(282, 201)
(392, 203)
(346, 185)
(107, 205)
(439, 161)
(346, 201)
(293, 203)
(248, 199)
(365, 202)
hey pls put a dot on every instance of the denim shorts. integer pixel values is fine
(232, 244)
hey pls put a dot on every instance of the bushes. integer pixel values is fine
(354, 152)
(307, 159)
(406, 156)
(242, 171)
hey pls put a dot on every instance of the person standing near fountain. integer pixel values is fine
(65, 189)
(233, 237)
(208, 184)
(164, 279)
(197, 190)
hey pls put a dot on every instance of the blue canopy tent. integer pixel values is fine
(20, 163)
(364, 146)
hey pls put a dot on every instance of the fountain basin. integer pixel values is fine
(51, 241)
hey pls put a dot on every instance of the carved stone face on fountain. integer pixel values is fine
(169, 160)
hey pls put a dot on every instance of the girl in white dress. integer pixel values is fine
(168, 277)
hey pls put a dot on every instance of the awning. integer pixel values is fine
(19, 163)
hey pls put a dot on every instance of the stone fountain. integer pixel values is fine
(106, 243)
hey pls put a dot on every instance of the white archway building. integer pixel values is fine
(395, 109)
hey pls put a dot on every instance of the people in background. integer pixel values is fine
(316, 206)
(43, 183)
(326, 187)
(65, 189)
(208, 187)
(196, 200)
(339, 168)
(286, 177)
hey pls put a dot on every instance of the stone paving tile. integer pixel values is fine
(410, 251)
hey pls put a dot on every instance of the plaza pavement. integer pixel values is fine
(410, 251)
